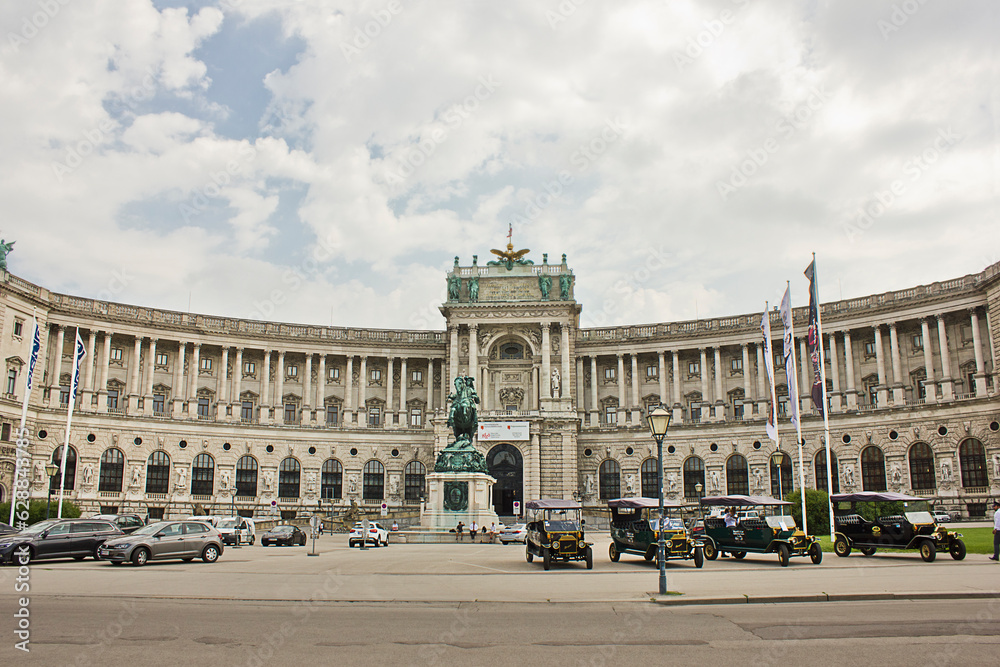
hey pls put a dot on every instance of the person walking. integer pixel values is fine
(996, 531)
(458, 531)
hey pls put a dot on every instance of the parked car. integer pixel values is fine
(941, 517)
(555, 532)
(204, 518)
(237, 526)
(633, 531)
(128, 523)
(377, 535)
(913, 529)
(517, 532)
(283, 535)
(6, 529)
(185, 540)
(58, 538)
(756, 534)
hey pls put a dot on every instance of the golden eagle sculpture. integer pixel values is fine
(510, 257)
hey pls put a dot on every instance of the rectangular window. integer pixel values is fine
(5, 432)
(290, 410)
(203, 406)
(694, 368)
(376, 375)
(696, 412)
(782, 406)
(161, 358)
(374, 417)
(64, 395)
(652, 372)
(11, 381)
(206, 364)
(417, 377)
(112, 399)
(155, 513)
(918, 343)
(158, 401)
(609, 374)
(332, 415)
(416, 418)
(736, 365)
(870, 348)
(293, 371)
(335, 374)
(611, 414)
(18, 327)
(246, 411)
(116, 354)
(738, 409)
(249, 368)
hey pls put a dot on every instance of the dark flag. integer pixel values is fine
(813, 342)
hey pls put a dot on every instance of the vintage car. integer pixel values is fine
(633, 531)
(908, 526)
(555, 532)
(756, 534)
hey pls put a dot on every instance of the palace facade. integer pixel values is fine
(176, 409)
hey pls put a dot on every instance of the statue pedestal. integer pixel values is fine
(458, 496)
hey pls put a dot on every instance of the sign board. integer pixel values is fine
(314, 522)
(517, 508)
(274, 503)
(505, 431)
(385, 510)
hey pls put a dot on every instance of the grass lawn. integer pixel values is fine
(977, 540)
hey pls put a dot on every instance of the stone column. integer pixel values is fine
(319, 402)
(621, 389)
(363, 392)
(882, 391)
(836, 398)
(947, 381)
(279, 388)
(580, 393)
(763, 397)
(930, 388)
(706, 399)
(430, 392)
(222, 386)
(265, 389)
(636, 407)
(661, 369)
(193, 370)
(745, 349)
(102, 389)
(533, 473)
(88, 367)
(485, 393)
(977, 347)
(534, 388)
(307, 397)
(178, 387)
(678, 405)
(133, 383)
(54, 376)
(852, 391)
(566, 374)
(898, 393)
(404, 385)
(349, 391)
(720, 402)
(445, 385)
(595, 407)
(546, 380)
(453, 356)
(474, 354)
(147, 401)
(237, 400)
(390, 390)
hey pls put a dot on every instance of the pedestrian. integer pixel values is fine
(321, 527)
(493, 532)
(395, 526)
(472, 530)
(996, 531)
(458, 531)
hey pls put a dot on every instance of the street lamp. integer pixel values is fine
(776, 459)
(50, 469)
(659, 421)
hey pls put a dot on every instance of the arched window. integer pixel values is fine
(56, 479)
(331, 479)
(784, 473)
(648, 479)
(609, 475)
(203, 475)
(246, 476)
(288, 478)
(922, 467)
(413, 481)
(373, 481)
(694, 473)
(972, 459)
(158, 473)
(820, 467)
(872, 469)
(112, 471)
(737, 475)
(512, 351)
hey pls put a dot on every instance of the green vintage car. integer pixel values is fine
(633, 531)
(756, 534)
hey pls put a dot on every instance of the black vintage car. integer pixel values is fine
(555, 532)
(633, 531)
(907, 525)
(754, 533)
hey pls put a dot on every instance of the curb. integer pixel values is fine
(826, 597)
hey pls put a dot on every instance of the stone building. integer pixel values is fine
(177, 409)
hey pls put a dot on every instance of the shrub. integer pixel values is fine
(817, 510)
(36, 511)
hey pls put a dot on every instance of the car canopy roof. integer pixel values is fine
(552, 504)
(872, 497)
(640, 503)
(742, 501)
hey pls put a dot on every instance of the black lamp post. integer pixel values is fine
(50, 469)
(777, 458)
(659, 421)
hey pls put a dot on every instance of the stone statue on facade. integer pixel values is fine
(849, 477)
(461, 456)
(136, 477)
(758, 478)
(181, 478)
(946, 471)
(671, 483)
(454, 287)
(629, 484)
(564, 283)
(545, 285)
(394, 485)
(311, 482)
(352, 484)
(39, 472)
(268, 481)
(224, 480)
(714, 476)
(5, 249)
(996, 468)
(897, 474)
(588, 486)
(473, 289)
(88, 475)
(556, 383)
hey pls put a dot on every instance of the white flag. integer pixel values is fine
(788, 348)
(771, 426)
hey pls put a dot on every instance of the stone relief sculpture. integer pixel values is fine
(671, 483)
(849, 476)
(758, 478)
(268, 481)
(946, 470)
(511, 396)
(394, 485)
(181, 478)
(996, 468)
(311, 482)
(588, 485)
(629, 484)
(556, 383)
(352, 484)
(39, 472)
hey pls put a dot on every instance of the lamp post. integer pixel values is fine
(777, 458)
(50, 469)
(659, 421)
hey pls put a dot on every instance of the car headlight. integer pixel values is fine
(119, 546)
(4, 545)
(582, 544)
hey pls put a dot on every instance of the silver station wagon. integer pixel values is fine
(185, 540)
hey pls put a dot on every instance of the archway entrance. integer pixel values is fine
(507, 466)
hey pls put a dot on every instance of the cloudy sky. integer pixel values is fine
(323, 161)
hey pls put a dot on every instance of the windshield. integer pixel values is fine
(781, 522)
(670, 523)
(228, 523)
(35, 529)
(151, 529)
(284, 529)
(562, 525)
(919, 517)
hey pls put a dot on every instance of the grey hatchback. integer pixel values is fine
(164, 540)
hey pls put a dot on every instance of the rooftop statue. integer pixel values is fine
(509, 257)
(7, 248)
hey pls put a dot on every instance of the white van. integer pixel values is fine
(231, 527)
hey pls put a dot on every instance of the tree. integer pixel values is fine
(817, 509)
(36, 511)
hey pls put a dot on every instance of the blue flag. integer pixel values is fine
(813, 341)
(81, 352)
(36, 344)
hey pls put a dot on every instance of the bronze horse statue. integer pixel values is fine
(462, 417)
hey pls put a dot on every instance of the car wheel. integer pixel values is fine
(650, 553)
(210, 554)
(140, 557)
(842, 547)
(784, 555)
(613, 553)
(97, 552)
(711, 553)
(928, 551)
(546, 559)
(739, 555)
(699, 557)
(115, 562)
(589, 557)
(816, 553)
(957, 549)
(868, 551)
(528, 556)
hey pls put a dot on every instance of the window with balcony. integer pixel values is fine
(332, 414)
(331, 479)
(203, 475)
(413, 481)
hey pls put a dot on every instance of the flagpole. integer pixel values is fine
(826, 410)
(798, 422)
(21, 437)
(69, 419)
